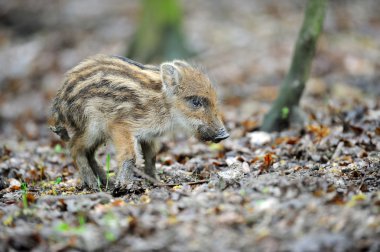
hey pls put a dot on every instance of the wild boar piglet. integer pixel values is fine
(114, 98)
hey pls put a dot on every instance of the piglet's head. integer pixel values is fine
(194, 100)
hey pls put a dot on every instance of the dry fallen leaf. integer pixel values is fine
(287, 140)
(14, 184)
(377, 131)
(267, 162)
(249, 125)
(319, 131)
(30, 197)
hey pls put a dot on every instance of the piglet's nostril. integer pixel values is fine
(222, 131)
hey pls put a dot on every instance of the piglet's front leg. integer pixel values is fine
(126, 156)
(125, 173)
(124, 177)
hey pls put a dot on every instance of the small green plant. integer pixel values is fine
(62, 227)
(65, 227)
(108, 165)
(109, 236)
(24, 188)
(58, 180)
(284, 113)
(8, 221)
(81, 220)
(111, 222)
(58, 148)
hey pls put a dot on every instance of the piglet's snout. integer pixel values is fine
(221, 135)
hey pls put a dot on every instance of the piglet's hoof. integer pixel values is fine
(88, 183)
(131, 187)
(119, 191)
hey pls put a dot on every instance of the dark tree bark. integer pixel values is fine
(159, 35)
(285, 108)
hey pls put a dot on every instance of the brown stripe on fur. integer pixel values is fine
(74, 79)
(101, 63)
(128, 64)
(149, 80)
(105, 90)
(75, 87)
(111, 60)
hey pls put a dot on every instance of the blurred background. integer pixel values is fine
(245, 46)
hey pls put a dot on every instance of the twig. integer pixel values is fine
(362, 181)
(187, 183)
(99, 195)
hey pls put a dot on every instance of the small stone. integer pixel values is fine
(259, 138)
(245, 168)
(230, 161)
(315, 168)
(346, 170)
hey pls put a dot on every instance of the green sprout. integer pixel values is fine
(24, 188)
(109, 236)
(62, 227)
(284, 112)
(58, 148)
(108, 165)
(81, 220)
(110, 221)
(65, 227)
(58, 180)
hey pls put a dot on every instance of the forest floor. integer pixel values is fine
(314, 187)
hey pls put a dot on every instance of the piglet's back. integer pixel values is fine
(102, 85)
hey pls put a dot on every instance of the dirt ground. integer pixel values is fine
(310, 188)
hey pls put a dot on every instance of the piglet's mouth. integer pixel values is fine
(220, 138)
(213, 136)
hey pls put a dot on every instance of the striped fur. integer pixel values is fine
(111, 97)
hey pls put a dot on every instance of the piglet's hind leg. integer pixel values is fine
(149, 153)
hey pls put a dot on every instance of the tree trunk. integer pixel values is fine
(159, 35)
(285, 108)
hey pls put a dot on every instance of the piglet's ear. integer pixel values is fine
(181, 63)
(170, 75)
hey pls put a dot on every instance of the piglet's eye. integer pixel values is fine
(197, 103)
